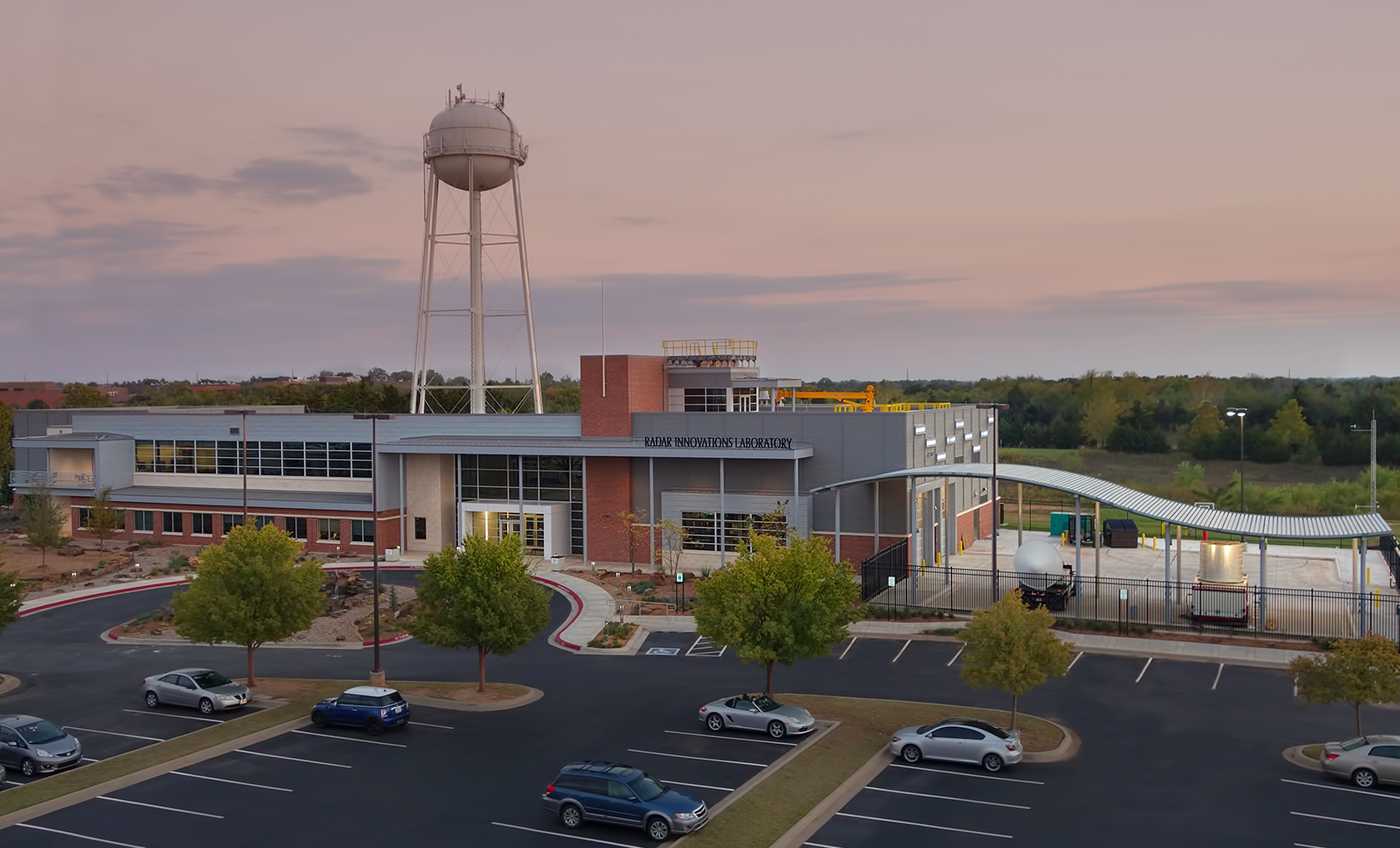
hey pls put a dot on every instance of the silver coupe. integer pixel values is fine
(958, 740)
(757, 712)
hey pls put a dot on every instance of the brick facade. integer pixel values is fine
(609, 492)
(966, 524)
(635, 384)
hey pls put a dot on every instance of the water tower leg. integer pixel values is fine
(478, 302)
(419, 402)
(525, 288)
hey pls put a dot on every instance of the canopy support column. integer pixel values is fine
(1078, 550)
(1263, 583)
(1020, 513)
(1166, 572)
(838, 524)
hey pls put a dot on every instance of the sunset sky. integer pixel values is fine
(944, 189)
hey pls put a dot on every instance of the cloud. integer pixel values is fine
(877, 289)
(136, 181)
(1216, 300)
(119, 243)
(349, 143)
(636, 220)
(295, 181)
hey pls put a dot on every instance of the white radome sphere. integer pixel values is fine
(479, 131)
(1038, 558)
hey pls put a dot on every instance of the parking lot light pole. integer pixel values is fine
(1239, 412)
(1374, 505)
(376, 674)
(995, 419)
(243, 452)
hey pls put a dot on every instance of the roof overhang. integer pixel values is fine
(69, 440)
(639, 447)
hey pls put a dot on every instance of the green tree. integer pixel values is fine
(7, 450)
(480, 597)
(1356, 671)
(11, 594)
(1189, 476)
(83, 396)
(1101, 412)
(1202, 437)
(249, 590)
(1012, 648)
(1289, 428)
(778, 603)
(41, 519)
(102, 518)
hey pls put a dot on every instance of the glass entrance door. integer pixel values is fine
(509, 522)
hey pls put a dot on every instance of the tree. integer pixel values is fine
(673, 536)
(1202, 437)
(41, 518)
(249, 590)
(83, 396)
(36, 403)
(11, 594)
(638, 532)
(778, 603)
(1356, 671)
(7, 451)
(480, 597)
(1100, 415)
(1012, 648)
(1137, 432)
(1289, 428)
(102, 518)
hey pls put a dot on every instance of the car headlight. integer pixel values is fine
(684, 816)
(42, 752)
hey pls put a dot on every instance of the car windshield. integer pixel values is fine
(389, 700)
(40, 732)
(646, 788)
(990, 728)
(766, 704)
(209, 679)
(1353, 744)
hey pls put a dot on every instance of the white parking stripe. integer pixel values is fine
(226, 780)
(1218, 672)
(289, 759)
(722, 738)
(113, 733)
(969, 774)
(437, 726)
(158, 807)
(699, 786)
(958, 654)
(76, 835)
(701, 759)
(1073, 661)
(820, 845)
(948, 798)
(1344, 821)
(901, 651)
(154, 714)
(848, 648)
(929, 826)
(88, 760)
(349, 739)
(15, 783)
(1305, 845)
(1340, 788)
(1145, 667)
(697, 641)
(563, 835)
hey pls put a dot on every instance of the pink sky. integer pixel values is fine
(948, 189)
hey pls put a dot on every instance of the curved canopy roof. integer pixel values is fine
(1151, 506)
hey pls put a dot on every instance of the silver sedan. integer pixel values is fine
(958, 741)
(757, 712)
(206, 690)
(1365, 760)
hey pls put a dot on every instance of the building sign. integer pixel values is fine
(720, 442)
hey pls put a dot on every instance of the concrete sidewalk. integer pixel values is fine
(593, 607)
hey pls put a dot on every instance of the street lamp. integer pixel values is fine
(243, 458)
(1375, 507)
(1239, 412)
(994, 417)
(376, 675)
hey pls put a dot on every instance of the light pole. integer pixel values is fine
(994, 419)
(243, 452)
(376, 674)
(1375, 507)
(1239, 412)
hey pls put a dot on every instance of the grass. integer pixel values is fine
(761, 816)
(309, 690)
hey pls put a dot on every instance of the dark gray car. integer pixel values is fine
(757, 712)
(204, 689)
(33, 746)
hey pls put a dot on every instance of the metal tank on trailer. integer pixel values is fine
(1221, 592)
(1045, 579)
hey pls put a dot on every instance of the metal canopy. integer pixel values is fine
(1151, 506)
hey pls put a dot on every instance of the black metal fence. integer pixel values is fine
(1134, 603)
(876, 571)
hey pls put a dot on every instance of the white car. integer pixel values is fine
(757, 712)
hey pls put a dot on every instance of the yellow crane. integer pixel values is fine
(858, 401)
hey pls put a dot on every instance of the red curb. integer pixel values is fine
(393, 640)
(96, 595)
(574, 601)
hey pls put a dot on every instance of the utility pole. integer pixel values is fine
(1374, 505)
(1239, 412)
(243, 452)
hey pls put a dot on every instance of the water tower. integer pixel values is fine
(471, 148)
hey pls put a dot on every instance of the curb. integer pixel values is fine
(448, 704)
(575, 603)
(45, 607)
(1295, 757)
(9, 683)
(146, 641)
(634, 644)
(1068, 748)
(818, 816)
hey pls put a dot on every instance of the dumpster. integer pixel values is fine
(1120, 533)
(1063, 522)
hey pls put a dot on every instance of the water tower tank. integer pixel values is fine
(475, 132)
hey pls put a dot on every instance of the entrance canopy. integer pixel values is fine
(1161, 509)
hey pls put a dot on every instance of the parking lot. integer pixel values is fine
(1322, 813)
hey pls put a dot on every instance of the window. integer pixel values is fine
(144, 521)
(202, 523)
(362, 532)
(261, 521)
(145, 455)
(231, 520)
(420, 527)
(700, 529)
(84, 517)
(296, 528)
(617, 790)
(173, 522)
(557, 479)
(1391, 751)
(328, 529)
(706, 400)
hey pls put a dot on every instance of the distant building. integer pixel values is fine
(20, 394)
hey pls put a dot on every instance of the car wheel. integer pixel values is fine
(206, 706)
(151, 700)
(992, 763)
(318, 719)
(27, 768)
(659, 829)
(570, 816)
(777, 729)
(911, 754)
(374, 727)
(1365, 778)
(715, 722)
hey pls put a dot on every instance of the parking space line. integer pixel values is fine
(698, 786)
(437, 726)
(948, 798)
(969, 774)
(701, 759)
(1305, 845)
(154, 714)
(1340, 788)
(15, 783)
(290, 759)
(697, 641)
(113, 733)
(1218, 672)
(958, 654)
(226, 780)
(929, 826)
(563, 835)
(848, 648)
(349, 739)
(76, 835)
(1145, 667)
(901, 651)
(722, 738)
(1073, 661)
(820, 845)
(1344, 821)
(159, 807)
(88, 760)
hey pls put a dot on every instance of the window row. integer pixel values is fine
(202, 524)
(547, 478)
(266, 459)
(700, 529)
